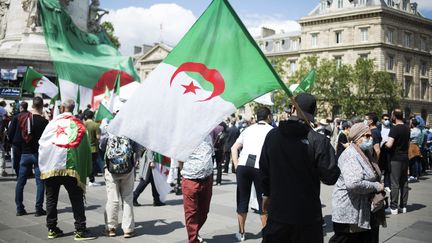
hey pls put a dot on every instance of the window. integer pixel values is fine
(407, 65)
(293, 67)
(269, 46)
(407, 39)
(364, 56)
(424, 88)
(338, 60)
(423, 69)
(314, 39)
(286, 44)
(338, 37)
(423, 41)
(364, 35)
(340, 3)
(389, 36)
(407, 86)
(294, 45)
(390, 63)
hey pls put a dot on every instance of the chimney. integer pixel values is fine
(265, 32)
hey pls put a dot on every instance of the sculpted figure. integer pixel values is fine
(4, 6)
(95, 16)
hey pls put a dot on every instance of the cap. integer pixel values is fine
(307, 103)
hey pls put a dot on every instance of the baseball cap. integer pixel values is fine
(307, 103)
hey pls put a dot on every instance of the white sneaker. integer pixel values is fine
(91, 184)
(402, 210)
(391, 211)
(240, 236)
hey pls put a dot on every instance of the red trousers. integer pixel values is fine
(196, 201)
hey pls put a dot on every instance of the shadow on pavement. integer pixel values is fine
(415, 207)
(69, 209)
(156, 227)
(232, 238)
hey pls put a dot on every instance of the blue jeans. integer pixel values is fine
(27, 163)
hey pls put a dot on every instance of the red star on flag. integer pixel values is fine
(60, 130)
(190, 88)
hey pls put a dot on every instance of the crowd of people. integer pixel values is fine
(279, 167)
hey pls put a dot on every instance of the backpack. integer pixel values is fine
(118, 155)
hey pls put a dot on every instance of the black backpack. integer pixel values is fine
(118, 155)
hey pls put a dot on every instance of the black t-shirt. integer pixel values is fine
(399, 151)
(38, 126)
(376, 136)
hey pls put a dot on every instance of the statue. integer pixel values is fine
(95, 16)
(4, 6)
(30, 6)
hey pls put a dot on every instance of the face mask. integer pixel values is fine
(386, 123)
(366, 122)
(366, 144)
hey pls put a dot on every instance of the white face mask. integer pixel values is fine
(366, 122)
(366, 144)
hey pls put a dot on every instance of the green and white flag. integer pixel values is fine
(35, 82)
(305, 85)
(103, 113)
(115, 96)
(214, 69)
(160, 175)
(64, 149)
(81, 59)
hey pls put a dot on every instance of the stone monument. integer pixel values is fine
(22, 42)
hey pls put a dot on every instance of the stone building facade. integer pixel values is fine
(392, 32)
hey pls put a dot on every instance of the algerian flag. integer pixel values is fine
(80, 59)
(103, 113)
(64, 149)
(115, 97)
(305, 85)
(214, 69)
(35, 82)
(160, 175)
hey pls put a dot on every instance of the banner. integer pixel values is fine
(9, 74)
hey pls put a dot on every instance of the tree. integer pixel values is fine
(344, 90)
(109, 30)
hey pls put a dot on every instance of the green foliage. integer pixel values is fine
(109, 29)
(344, 90)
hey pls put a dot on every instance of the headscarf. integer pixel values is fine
(357, 131)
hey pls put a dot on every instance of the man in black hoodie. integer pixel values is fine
(294, 159)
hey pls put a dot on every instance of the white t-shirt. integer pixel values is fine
(252, 139)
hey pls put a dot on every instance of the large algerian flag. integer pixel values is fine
(64, 149)
(214, 69)
(80, 59)
(160, 175)
(35, 82)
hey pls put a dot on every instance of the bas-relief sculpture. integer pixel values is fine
(4, 7)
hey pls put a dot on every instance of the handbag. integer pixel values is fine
(413, 151)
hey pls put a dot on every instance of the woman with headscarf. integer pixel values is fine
(358, 182)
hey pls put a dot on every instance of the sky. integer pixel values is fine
(138, 22)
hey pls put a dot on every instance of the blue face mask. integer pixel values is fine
(386, 123)
(366, 144)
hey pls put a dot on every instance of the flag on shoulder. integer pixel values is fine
(64, 149)
(35, 82)
(216, 68)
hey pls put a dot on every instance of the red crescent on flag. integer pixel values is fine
(35, 82)
(211, 75)
(80, 135)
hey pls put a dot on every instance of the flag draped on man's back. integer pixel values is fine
(80, 58)
(214, 69)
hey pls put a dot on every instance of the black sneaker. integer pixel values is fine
(136, 204)
(21, 213)
(84, 235)
(158, 204)
(40, 212)
(55, 233)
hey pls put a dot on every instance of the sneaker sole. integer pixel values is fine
(82, 239)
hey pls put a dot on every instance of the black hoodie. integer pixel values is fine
(294, 159)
